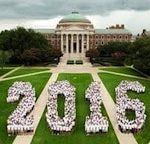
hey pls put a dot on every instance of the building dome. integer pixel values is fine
(74, 17)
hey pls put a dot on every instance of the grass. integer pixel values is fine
(61, 103)
(23, 71)
(38, 82)
(123, 70)
(111, 81)
(130, 114)
(4, 71)
(43, 134)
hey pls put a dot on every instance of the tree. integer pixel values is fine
(20, 39)
(31, 56)
(140, 54)
(92, 54)
(4, 56)
(35, 55)
(112, 47)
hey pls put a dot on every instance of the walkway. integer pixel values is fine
(121, 74)
(107, 101)
(10, 72)
(38, 111)
(111, 111)
(24, 75)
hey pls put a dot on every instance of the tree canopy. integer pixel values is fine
(112, 47)
(25, 45)
(120, 53)
(140, 54)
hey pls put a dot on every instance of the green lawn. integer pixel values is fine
(38, 82)
(3, 71)
(61, 103)
(78, 136)
(23, 71)
(111, 81)
(124, 70)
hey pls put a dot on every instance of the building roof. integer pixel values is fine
(45, 30)
(74, 17)
(97, 31)
(112, 31)
(147, 33)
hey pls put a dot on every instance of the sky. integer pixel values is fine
(135, 14)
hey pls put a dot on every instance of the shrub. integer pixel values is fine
(70, 61)
(79, 62)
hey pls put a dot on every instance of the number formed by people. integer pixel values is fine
(95, 122)
(20, 121)
(62, 88)
(125, 103)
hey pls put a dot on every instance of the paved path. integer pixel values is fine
(38, 111)
(121, 74)
(111, 111)
(10, 72)
(24, 75)
(107, 101)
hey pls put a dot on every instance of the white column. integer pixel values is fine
(82, 45)
(62, 45)
(67, 44)
(77, 43)
(71, 43)
(87, 45)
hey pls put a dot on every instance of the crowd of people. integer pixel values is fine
(95, 123)
(57, 124)
(124, 103)
(19, 121)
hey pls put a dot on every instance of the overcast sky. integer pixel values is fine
(135, 14)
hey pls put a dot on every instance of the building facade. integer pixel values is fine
(75, 34)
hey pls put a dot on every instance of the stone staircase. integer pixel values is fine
(65, 57)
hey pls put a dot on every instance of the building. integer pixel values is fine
(75, 34)
(145, 33)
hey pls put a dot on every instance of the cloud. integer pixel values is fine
(43, 9)
(103, 13)
(134, 21)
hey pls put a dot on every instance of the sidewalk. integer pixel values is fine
(121, 74)
(38, 111)
(10, 72)
(25, 75)
(111, 111)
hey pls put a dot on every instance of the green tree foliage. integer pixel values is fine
(34, 56)
(4, 57)
(113, 47)
(20, 39)
(27, 46)
(113, 53)
(31, 56)
(140, 54)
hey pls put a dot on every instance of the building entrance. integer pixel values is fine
(74, 47)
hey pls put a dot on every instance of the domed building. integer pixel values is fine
(75, 34)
